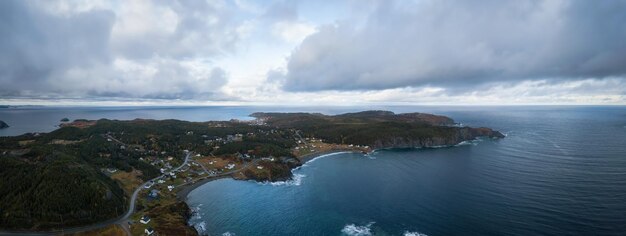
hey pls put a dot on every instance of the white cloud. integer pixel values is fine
(292, 32)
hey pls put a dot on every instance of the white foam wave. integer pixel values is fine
(408, 233)
(322, 156)
(200, 227)
(357, 230)
(295, 180)
(228, 234)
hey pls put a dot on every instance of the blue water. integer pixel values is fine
(559, 171)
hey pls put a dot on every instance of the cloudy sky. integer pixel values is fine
(167, 52)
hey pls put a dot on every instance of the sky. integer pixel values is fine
(323, 52)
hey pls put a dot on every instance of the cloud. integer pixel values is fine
(461, 44)
(36, 45)
(139, 49)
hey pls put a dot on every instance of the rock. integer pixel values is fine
(460, 135)
(3, 125)
(65, 120)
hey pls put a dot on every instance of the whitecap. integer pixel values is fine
(200, 227)
(408, 233)
(295, 180)
(228, 234)
(357, 230)
(322, 156)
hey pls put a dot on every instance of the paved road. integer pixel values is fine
(121, 221)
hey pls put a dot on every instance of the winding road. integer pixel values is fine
(121, 221)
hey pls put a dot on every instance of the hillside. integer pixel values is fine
(84, 172)
(379, 129)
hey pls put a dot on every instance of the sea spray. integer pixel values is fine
(408, 233)
(296, 178)
(357, 230)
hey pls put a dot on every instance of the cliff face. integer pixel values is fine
(461, 134)
(3, 125)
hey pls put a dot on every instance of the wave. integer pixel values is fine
(472, 142)
(295, 180)
(408, 233)
(322, 156)
(357, 230)
(200, 227)
(228, 234)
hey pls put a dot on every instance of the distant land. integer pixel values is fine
(105, 173)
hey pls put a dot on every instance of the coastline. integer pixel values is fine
(182, 194)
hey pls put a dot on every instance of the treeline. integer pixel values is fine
(59, 192)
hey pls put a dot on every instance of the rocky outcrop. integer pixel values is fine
(3, 125)
(461, 134)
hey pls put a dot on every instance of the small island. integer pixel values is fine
(141, 170)
(3, 125)
(65, 119)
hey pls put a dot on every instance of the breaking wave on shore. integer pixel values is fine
(296, 178)
(321, 156)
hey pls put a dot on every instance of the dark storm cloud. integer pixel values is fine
(122, 53)
(35, 46)
(460, 44)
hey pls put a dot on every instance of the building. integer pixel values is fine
(144, 220)
(149, 231)
(153, 193)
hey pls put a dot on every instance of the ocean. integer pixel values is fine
(561, 170)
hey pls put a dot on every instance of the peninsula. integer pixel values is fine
(134, 175)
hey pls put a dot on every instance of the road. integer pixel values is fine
(121, 221)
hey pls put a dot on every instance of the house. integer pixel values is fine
(153, 193)
(149, 185)
(170, 187)
(149, 231)
(160, 181)
(259, 167)
(144, 220)
(230, 166)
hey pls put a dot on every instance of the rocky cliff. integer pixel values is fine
(461, 134)
(3, 125)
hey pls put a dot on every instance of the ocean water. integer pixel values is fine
(559, 171)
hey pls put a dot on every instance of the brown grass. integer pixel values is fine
(111, 230)
(128, 180)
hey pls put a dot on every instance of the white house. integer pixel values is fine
(144, 220)
(170, 187)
